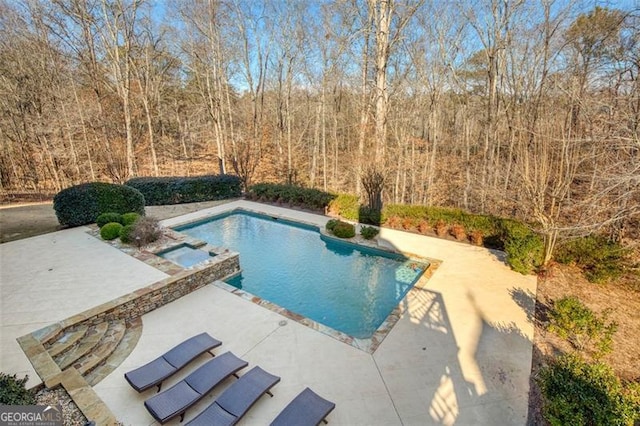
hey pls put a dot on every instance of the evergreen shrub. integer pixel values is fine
(579, 393)
(570, 319)
(14, 392)
(368, 232)
(82, 204)
(129, 218)
(125, 233)
(305, 197)
(111, 231)
(177, 190)
(105, 218)
(344, 230)
(600, 259)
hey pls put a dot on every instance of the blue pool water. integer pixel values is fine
(184, 255)
(343, 286)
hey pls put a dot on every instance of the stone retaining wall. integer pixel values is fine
(146, 299)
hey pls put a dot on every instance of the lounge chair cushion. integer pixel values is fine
(154, 372)
(178, 398)
(237, 399)
(308, 408)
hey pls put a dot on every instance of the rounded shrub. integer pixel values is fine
(369, 232)
(129, 218)
(111, 231)
(105, 218)
(331, 223)
(344, 230)
(82, 204)
(126, 233)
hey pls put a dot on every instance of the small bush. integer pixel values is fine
(424, 227)
(14, 392)
(457, 231)
(476, 238)
(572, 320)
(369, 232)
(331, 223)
(407, 223)
(82, 204)
(578, 393)
(441, 228)
(344, 230)
(129, 218)
(523, 247)
(176, 189)
(601, 260)
(111, 231)
(145, 231)
(125, 233)
(393, 222)
(105, 218)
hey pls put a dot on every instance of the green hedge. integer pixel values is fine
(524, 248)
(111, 231)
(82, 204)
(159, 191)
(297, 195)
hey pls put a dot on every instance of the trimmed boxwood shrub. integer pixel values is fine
(105, 218)
(111, 231)
(331, 223)
(14, 392)
(159, 191)
(369, 232)
(129, 218)
(82, 204)
(579, 393)
(125, 233)
(344, 230)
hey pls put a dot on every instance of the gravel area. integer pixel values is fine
(71, 414)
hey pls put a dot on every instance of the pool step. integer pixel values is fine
(82, 347)
(105, 347)
(67, 341)
(121, 352)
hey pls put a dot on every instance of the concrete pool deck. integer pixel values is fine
(460, 354)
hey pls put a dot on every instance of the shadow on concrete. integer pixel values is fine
(449, 385)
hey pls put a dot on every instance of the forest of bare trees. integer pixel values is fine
(528, 109)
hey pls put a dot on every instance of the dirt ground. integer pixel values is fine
(621, 300)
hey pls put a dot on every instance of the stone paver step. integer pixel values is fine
(99, 353)
(126, 346)
(67, 341)
(87, 343)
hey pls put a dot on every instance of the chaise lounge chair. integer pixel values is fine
(179, 397)
(154, 372)
(237, 399)
(308, 408)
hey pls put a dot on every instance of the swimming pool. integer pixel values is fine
(344, 286)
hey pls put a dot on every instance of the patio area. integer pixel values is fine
(460, 354)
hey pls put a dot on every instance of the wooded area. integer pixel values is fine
(528, 109)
